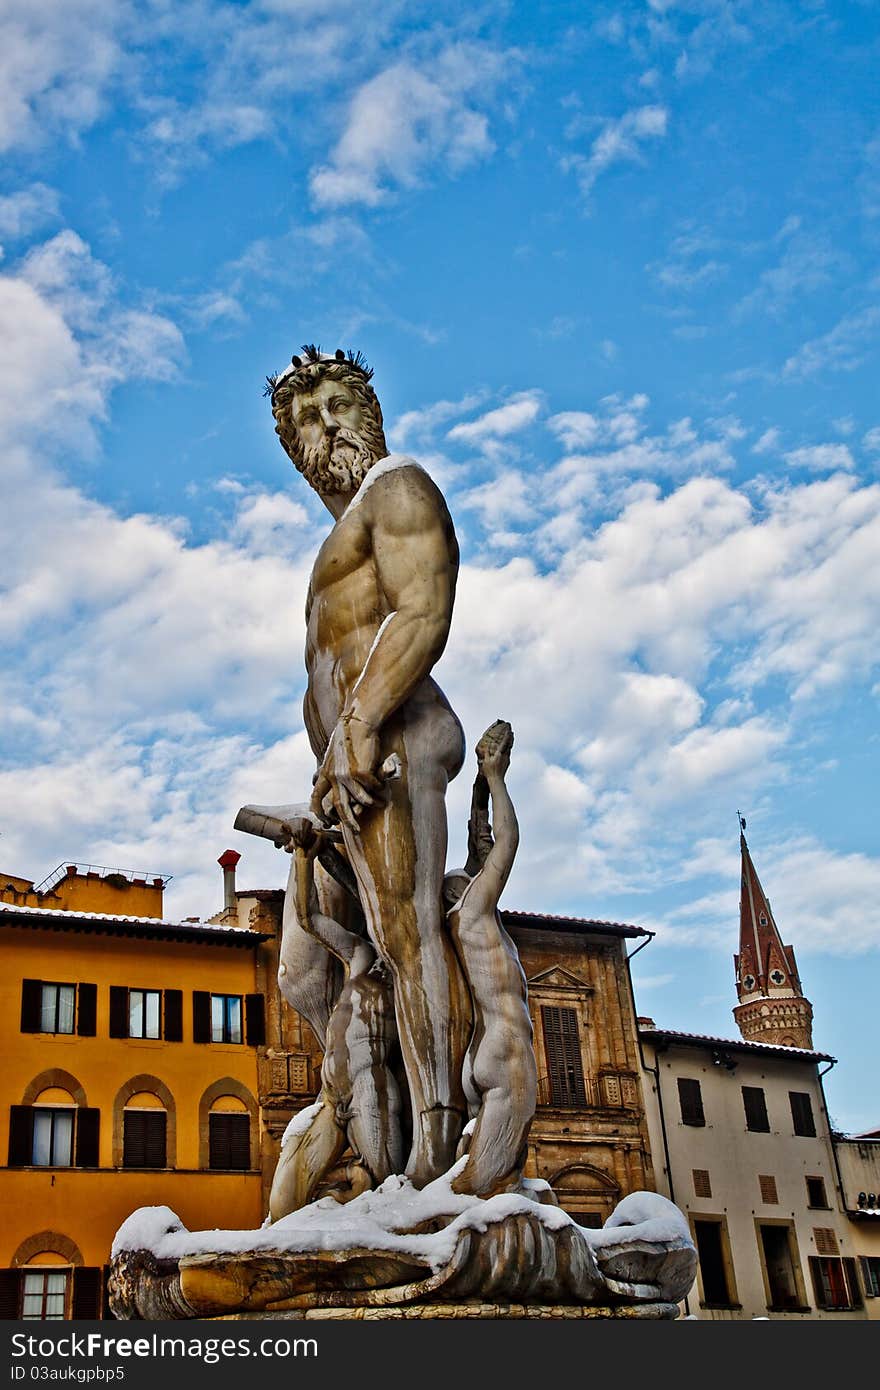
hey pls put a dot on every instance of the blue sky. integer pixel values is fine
(618, 272)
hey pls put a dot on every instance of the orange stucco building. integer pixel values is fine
(130, 1049)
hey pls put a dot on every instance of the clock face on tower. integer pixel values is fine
(777, 977)
(748, 982)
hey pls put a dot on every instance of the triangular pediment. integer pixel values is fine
(558, 978)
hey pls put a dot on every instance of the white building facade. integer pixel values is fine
(741, 1142)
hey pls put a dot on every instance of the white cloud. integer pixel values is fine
(406, 119)
(618, 141)
(768, 442)
(27, 210)
(842, 349)
(821, 458)
(65, 342)
(807, 264)
(57, 61)
(417, 424)
(516, 414)
(871, 440)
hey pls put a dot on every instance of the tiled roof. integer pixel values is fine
(669, 1035)
(590, 924)
(150, 928)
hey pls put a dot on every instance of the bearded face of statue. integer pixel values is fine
(338, 437)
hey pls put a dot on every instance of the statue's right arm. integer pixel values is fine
(331, 934)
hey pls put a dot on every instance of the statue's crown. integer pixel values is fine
(303, 367)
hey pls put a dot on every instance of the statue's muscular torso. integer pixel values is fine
(347, 605)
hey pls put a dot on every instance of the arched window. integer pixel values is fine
(144, 1124)
(144, 1132)
(48, 1281)
(54, 1127)
(229, 1127)
(229, 1134)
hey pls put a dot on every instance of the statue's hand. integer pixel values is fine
(301, 834)
(347, 781)
(493, 749)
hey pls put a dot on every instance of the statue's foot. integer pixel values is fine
(434, 1144)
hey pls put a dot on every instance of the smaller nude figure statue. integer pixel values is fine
(359, 1103)
(500, 1070)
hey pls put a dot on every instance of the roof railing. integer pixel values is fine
(103, 871)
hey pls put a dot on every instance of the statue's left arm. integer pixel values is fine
(415, 557)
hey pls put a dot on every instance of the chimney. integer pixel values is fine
(227, 861)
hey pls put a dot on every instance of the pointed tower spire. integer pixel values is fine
(771, 1007)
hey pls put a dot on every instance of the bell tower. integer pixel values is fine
(772, 1007)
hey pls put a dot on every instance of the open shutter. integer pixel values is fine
(255, 1020)
(10, 1286)
(31, 998)
(21, 1136)
(118, 1011)
(88, 1128)
(173, 1030)
(86, 1303)
(87, 1010)
(201, 1016)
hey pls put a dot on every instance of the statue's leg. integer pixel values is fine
(304, 1160)
(399, 858)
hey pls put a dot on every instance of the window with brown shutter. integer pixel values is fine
(87, 1010)
(10, 1294)
(201, 1016)
(755, 1106)
(118, 1011)
(31, 996)
(21, 1135)
(173, 1010)
(702, 1182)
(255, 1020)
(835, 1283)
(562, 1045)
(88, 1124)
(86, 1301)
(229, 1140)
(802, 1114)
(871, 1274)
(690, 1099)
(767, 1184)
(143, 1138)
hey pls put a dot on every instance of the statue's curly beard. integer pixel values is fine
(330, 468)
